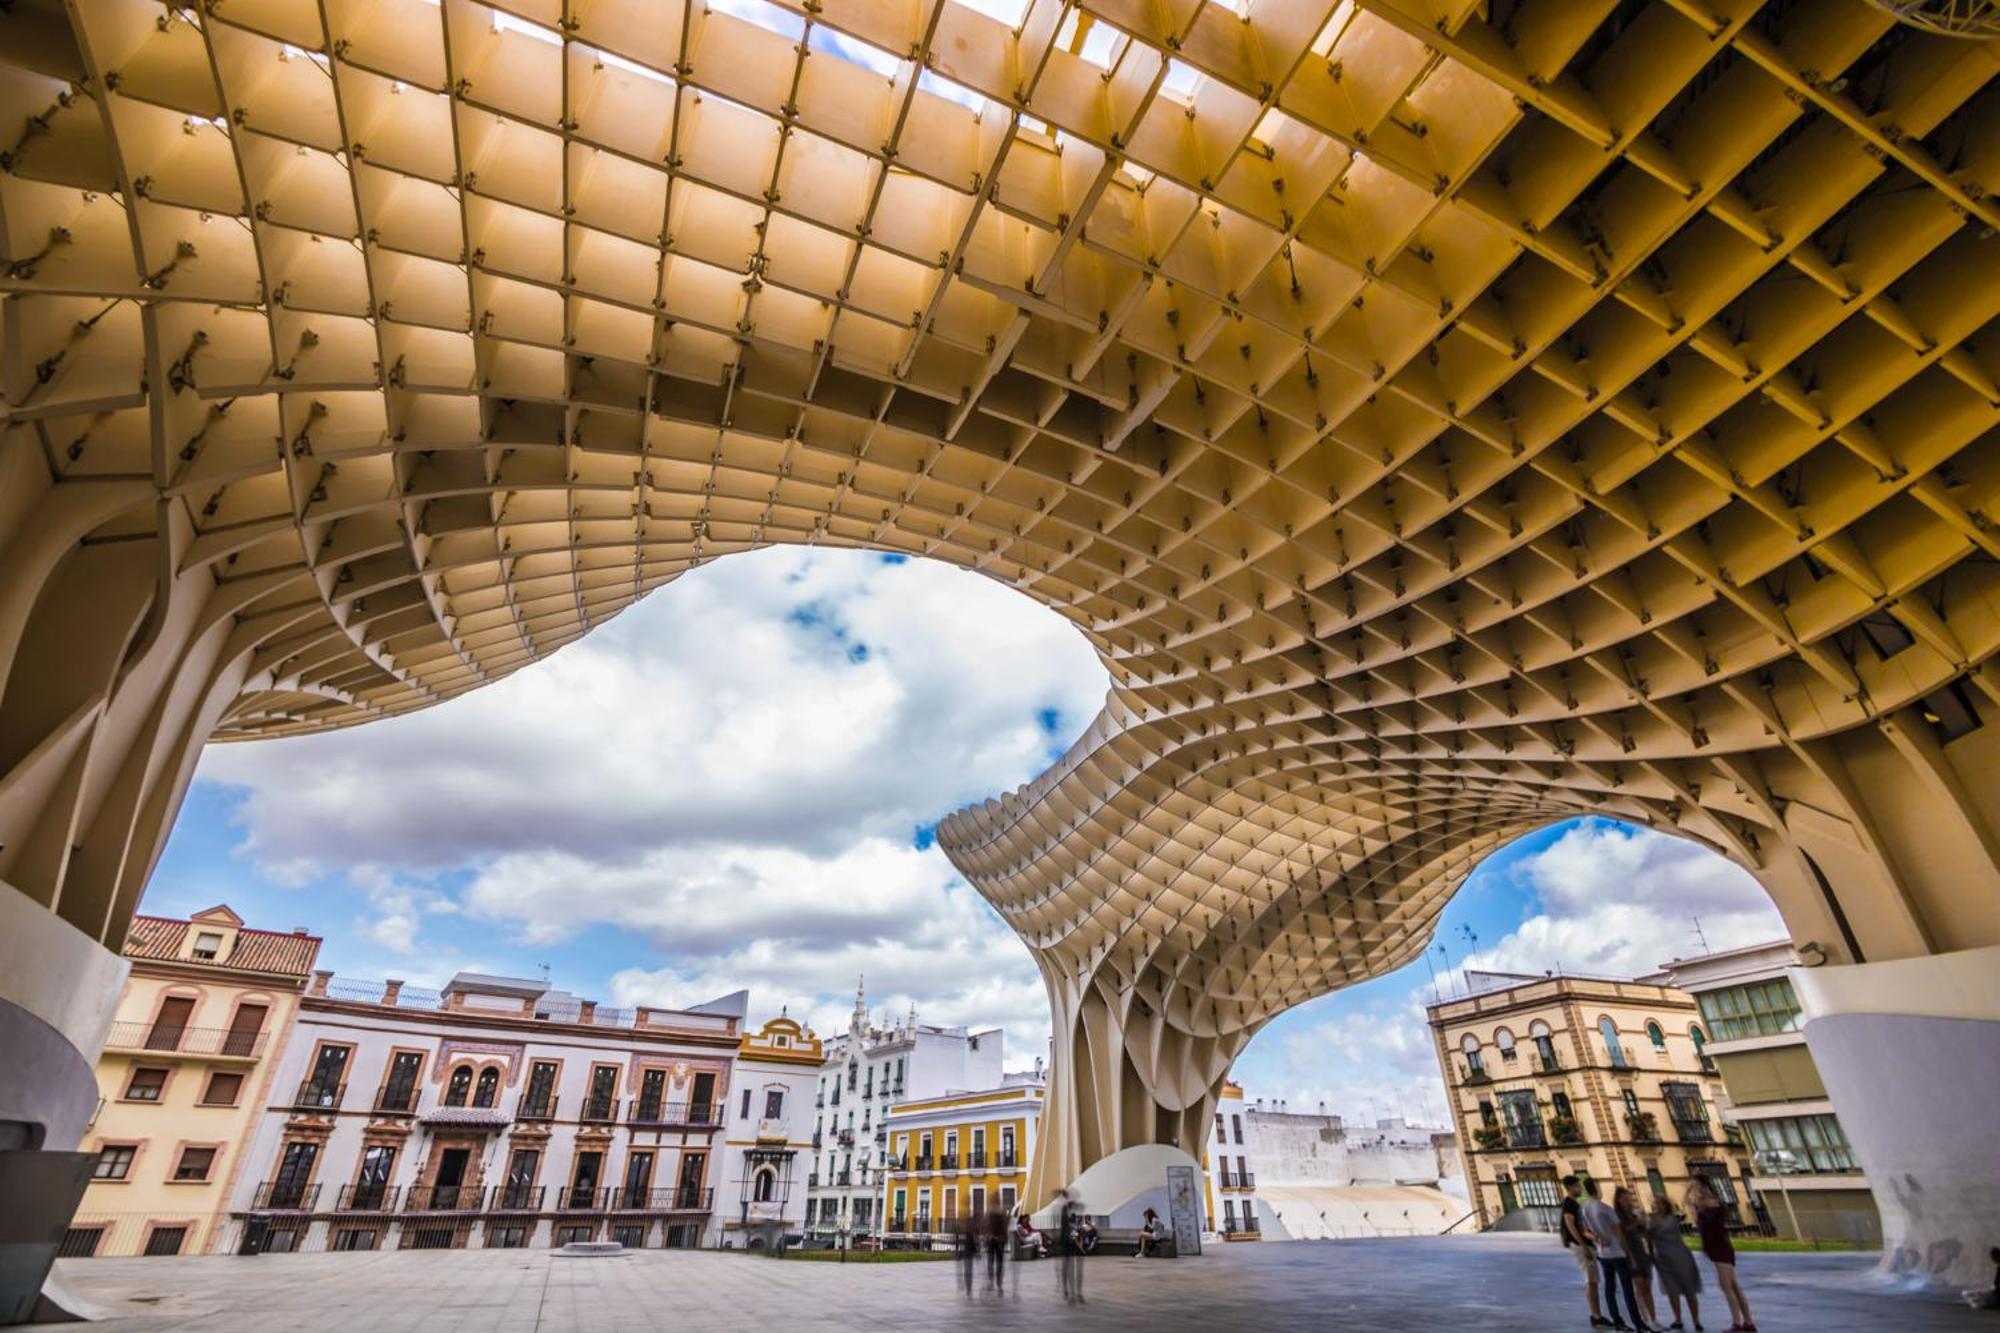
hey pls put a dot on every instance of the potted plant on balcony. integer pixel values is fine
(1644, 1125)
(1489, 1136)
(1564, 1129)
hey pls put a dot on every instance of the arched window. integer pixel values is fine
(766, 1186)
(1545, 1044)
(461, 1083)
(1701, 1046)
(1505, 1041)
(1656, 1035)
(1470, 1046)
(489, 1087)
(1612, 1049)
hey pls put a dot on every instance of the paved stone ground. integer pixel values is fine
(1501, 1284)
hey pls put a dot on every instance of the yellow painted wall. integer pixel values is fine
(149, 1195)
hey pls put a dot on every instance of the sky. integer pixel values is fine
(735, 784)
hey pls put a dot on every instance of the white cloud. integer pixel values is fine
(731, 772)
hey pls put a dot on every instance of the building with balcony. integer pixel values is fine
(958, 1155)
(1548, 1075)
(199, 1028)
(768, 1149)
(870, 1068)
(1756, 1037)
(500, 1112)
(1232, 1184)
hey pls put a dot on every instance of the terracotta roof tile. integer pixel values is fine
(162, 938)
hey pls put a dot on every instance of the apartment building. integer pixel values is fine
(503, 1113)
(1232, 1184)
(200, 1025)
(959, 1155)
(869, 1069)
(1799, 1152)
(1548, 1075)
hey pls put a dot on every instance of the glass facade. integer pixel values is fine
(1755, 1009)
(1806, 1144)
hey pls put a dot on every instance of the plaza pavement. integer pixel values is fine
(1495, 1284)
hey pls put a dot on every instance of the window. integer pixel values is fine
(147, 1084)
(506, 1238)
(288, 1188)
(460, 1086)
(356, 1238)
(600, 1104)
(80, 1242)
(704, 1098)
(1801, 1144)
(166, 1240)
(519, 1191)
(1007, 1199)
(1473, 1064)
(1701, 1048)
(1536, 1187)
(1609, 1031)
(371, 1186)
(195, 1164)
(223, 1089)
(1688, 1112)
(1221, 1132)
(114, 1161)
(1656, 1182)
(539, 1102)
(399, 1093)
(1545, 1045)
(630, 1234)
(575, 1234)
(488, 1091)
(1229, 1215)
(1486, 1115)
(774, 1105)
(1631, 1102)
(1559, 1103)
(206, 946)
(1754, 1009)
(1505, 1041)
(1656, 1035)
(767, 1185)
(1236, 1125)
(746, 1104)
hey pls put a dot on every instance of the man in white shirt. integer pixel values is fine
(1600, 1219)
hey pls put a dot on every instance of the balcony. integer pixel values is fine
(285, 1196)
(1224, 1179)
(314, 1095)
(1526, 1136)
(684, 1199)
(442, 1198)
(1006, 1162)
(367, 1199)
(531, 1107)
(396, 1100)
(650, 1111)
(1548, 1064)
(948, 1162)
(977, 1161)
(517, 1197)
(925, 1162)
(162, 1039)
(1475, 1078)
(582, 1199)
(599, 1110)
(1693, 1131)
(846, 1138)
(843, 1178)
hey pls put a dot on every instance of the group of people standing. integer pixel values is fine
(995, 1234)
(1621, 1248)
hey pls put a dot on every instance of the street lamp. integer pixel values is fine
(1781, 1163)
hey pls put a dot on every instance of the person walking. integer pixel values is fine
(1071, 1277)
(1577, 1241)
(996, 1250)
(1711, 1223)
(1601, 1221)
(1680, 1276)
(965, 1241)
(1639, 1249)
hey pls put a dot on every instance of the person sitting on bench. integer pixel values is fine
(1086, 1235)
(1033, 1244)
(1149, 1236)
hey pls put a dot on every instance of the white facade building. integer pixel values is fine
(502, 1113)
(868, 1069)
(1308, 1175)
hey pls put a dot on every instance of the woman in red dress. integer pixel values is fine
(1711, 1223)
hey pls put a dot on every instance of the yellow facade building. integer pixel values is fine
(959, 1155)
(1549, 1075)
(199, 1027)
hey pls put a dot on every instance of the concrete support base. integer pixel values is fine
(1910, 1053)
(58, 989)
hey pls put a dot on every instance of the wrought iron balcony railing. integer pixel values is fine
(166, 1038)
(285, 1196)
